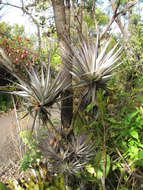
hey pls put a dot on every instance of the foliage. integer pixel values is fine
(38, 181)
(102, 19)
(129, 138)
(13, 41)
(32, 155)
(39, 91)
(68, 159)
(92, 66)
(5, 102)
(104, 144)
(3, 186)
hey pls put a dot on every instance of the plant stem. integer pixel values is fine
(35, 116)
(104, 171)
(104, 146)
(18, 127)
(102, 109)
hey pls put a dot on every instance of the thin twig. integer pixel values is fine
(115, 15)
(118, 21)
(18, 126)
(33, 19)
(94, 16)
(127, 167)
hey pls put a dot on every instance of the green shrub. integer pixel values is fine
(5, 102)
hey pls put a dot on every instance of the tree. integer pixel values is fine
(62, 21)
(91, 67)
(62, 17)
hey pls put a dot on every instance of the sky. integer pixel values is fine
(13, 16)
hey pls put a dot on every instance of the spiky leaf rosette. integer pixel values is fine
(39, 92)
(67, 158)
(93, 66)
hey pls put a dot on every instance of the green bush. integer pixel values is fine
(5, 102)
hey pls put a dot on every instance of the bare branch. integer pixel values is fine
(112, 20)
(22, 2)
(9, 4)
(94, 17)
(33, 19)
(108, 27)
(116, 14)
(118, 21)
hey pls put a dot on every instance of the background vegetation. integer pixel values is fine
(99, 145)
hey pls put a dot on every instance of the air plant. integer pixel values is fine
(92, 66)
(39, 92)
(67, 158)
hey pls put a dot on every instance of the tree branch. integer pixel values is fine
(116, 14)
(94, 17)
(118, 21)
(33, 19)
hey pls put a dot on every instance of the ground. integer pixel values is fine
(10, 154)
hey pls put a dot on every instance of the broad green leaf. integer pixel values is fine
(99, 164)
(89, 108)
(92, 179)
(132, 115)
(134, 134)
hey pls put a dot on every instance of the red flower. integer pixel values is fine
(19, 39)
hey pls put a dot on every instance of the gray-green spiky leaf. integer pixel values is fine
(93, 66)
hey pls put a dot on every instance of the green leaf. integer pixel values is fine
(112, 120)
(99, 165)
(132, 115)
(90, 169)
(123, 188)
(92, 179)
(123, 2)
(3, 186)
(140, 155)
(134, 134)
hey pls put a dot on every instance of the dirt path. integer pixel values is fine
(9, 144)
(8, 137)
(8, 134)
(7, 122)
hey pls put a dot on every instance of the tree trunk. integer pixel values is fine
(62, 21)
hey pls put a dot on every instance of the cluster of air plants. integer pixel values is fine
(66, 157)
(92, 66)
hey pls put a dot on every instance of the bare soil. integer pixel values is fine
(9, 143)
(7, 125)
